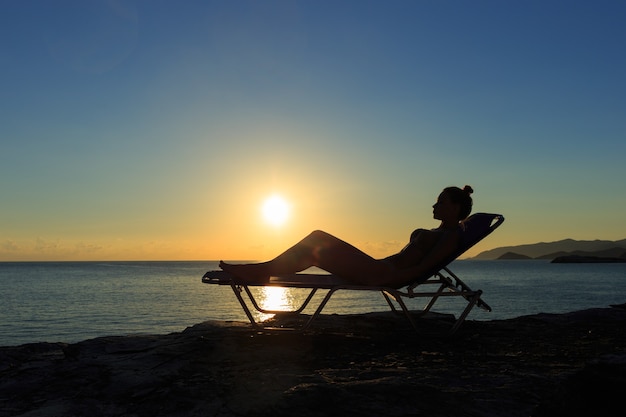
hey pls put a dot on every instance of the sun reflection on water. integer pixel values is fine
(276, 298)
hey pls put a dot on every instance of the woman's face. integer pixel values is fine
(445, 209)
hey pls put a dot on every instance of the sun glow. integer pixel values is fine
(275, 210)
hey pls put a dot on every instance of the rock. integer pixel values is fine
(596, 389)
(365, 365)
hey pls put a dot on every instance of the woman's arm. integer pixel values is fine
(445, 247)
(421, 242)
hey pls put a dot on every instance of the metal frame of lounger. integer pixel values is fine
(448, 285)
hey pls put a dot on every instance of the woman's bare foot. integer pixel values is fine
(247, 273)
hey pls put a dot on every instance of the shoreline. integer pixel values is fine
(368, 365)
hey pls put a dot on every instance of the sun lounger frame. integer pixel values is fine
(444, 281)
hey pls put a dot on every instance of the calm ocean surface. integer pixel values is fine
(74, 301)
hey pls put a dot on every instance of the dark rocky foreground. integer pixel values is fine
(369, 365)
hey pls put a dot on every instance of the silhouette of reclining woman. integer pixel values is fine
(426, 249)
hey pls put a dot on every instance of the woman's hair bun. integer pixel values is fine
(468, 189)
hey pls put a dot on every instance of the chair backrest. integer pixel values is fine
(476, 227)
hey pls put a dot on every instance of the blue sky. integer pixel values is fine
(155, 129)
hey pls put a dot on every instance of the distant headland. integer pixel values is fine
(563, 251)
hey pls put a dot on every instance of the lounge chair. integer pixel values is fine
(446, 283)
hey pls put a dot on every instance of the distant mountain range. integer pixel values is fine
(552, 250)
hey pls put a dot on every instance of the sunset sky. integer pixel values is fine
(155, 130)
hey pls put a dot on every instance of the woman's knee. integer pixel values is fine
(318, 235)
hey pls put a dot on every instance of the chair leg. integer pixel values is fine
(471, 302)
(434, 298)
(237, 290)
(388, 297)
(473, 298)
(319, 308)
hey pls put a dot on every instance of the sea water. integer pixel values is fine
(73, 301)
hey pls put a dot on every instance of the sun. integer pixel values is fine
(275, 210)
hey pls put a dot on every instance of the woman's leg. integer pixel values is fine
(297, 258)
(317, 249)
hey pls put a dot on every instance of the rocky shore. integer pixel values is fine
(367, 365)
